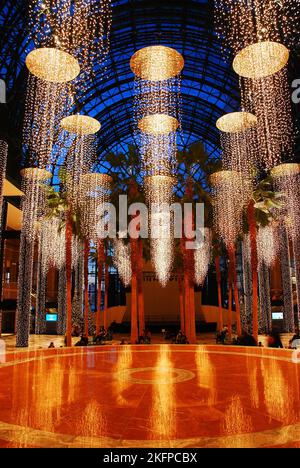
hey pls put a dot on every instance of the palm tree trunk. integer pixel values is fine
(236, 293)
(140, 288)
(86, 287)
(181, 304)
(218, 276)
(192, 312)
(105, 318)
(100, 260)
(187, 321)
(254, 265)
(69, 234)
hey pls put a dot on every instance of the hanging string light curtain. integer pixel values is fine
(229, 200)
(33, 202)
(257, 33)
(122, 261)
(33, 205)
(267, 244)
(159, 194)
(286, 179)
(239, 142)
(70, 36)
(80, 131)
(269, 99)
(157, 106)
(95, 191)
(45, 105)
(52, 244)
(202, 258)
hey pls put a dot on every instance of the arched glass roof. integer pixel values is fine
(209, 86)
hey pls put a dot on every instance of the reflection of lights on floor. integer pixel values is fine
(159, 375)
(165, 396)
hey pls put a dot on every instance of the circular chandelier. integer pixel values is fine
(236, 122)
(34, 173)
(158, 124)
(156, 63)
(159, 188)
(285, 170)
(261, 59)
(80, 124)
(50, 64)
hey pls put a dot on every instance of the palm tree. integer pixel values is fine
(126, 174)
(58, 206)
(195, 167)
(260, 212)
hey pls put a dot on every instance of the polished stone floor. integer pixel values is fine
(155, 396)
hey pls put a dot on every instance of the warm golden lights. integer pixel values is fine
(158, 124)
(156, 63)
(53, 65)
(235, 122)
(261, 59)
(80, 124)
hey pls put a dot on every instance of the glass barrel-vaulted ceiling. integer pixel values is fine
(209, 86)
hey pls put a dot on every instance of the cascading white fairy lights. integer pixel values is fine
(122, 261)
(159, 194)
(45, 105)
(267, 244)
(157, 72)
(269, 99)
(239, 142)
(229, 200)
(255, 31)
(3, 161)
(95, 191)
(267, 251)
(33, 201)
(286, 179)
(81, 131)
(202, 258)
(70, 35)
(52, 244)
(157, 106)
(287, 288)
(246, 310)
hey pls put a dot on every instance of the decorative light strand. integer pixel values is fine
(80, 28)
(122, 261)
(287, 288)
(269, 99)
(257, 23)
(159, 193)
(286, 179)
(202, 258)
(45, 105)
(267, 245)
(81, 135)
(246, 310)
(33, 204)
(229, 199)
(239, 143)
(95, 191)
